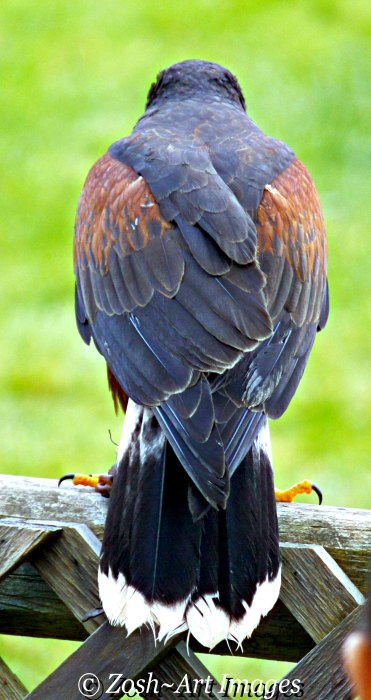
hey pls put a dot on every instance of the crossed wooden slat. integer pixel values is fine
(11, 687)
(48, 577)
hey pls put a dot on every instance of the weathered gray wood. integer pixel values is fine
(17, 542)
(344, 532)
(181, 673)
(41, 499)
(28, 607)
(108, 650)
(308, 574)
(321, 671)
(11, 687)
(69, 565)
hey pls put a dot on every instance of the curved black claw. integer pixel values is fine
(65, 477)
(318, 491)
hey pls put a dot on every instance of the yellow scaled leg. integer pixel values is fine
(102, 483)
(305, 486)
(85, 480)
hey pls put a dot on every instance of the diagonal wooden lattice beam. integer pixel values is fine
(28, 607)
(68, 562)
(309, 573)
(11, 687)
(321, 671)
(17, 542)
(181, 674)
(69, 565)
(107, 651)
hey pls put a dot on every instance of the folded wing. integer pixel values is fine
(165, 301)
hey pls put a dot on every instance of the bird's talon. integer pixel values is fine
(305, 486)
(102, 483)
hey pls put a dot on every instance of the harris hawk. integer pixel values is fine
(200, 262)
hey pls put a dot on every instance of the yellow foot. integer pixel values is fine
(102, 483)
(304, 486)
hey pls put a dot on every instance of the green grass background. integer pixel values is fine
(74, 78)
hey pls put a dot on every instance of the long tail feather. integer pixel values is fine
(150, 553)
(172, 561)
(241, 580)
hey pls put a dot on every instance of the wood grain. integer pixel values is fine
(70, 566)
(179, 671)
(308, 574)
(108, 650)
(41, 499)
(17, 543)
(11, 687)
(344, 532)
(58, 534)
(29, 607)
(321, 672)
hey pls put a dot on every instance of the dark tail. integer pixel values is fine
(215, 576)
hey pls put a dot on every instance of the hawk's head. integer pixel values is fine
(189, 79)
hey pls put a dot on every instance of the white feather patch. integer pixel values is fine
(205, 619)
(208, 623)
(127, 607)
(263, 440)
(263, 601)
(123, 604)
(132, 416)
(170, 618)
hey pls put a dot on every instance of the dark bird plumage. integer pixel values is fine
(200, 260)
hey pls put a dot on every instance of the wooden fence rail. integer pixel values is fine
(49, 549)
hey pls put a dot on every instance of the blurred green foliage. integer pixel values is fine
(74, 79)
